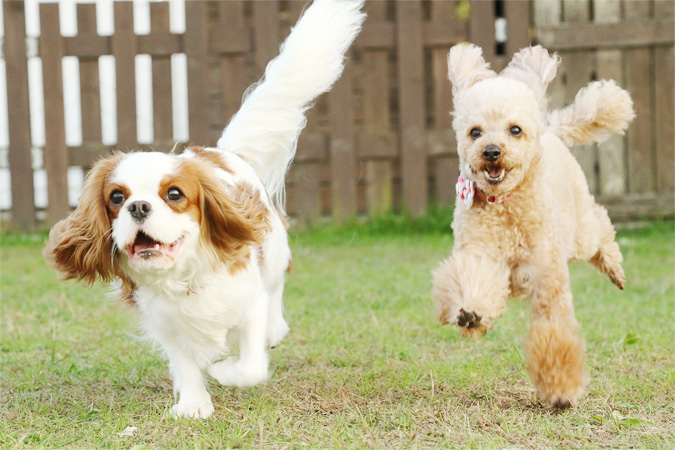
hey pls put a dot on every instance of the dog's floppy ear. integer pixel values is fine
(80, 245)
(233, 218)
(534, 67)
(466, 67)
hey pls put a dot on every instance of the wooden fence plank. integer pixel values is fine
(124, 50)
(664, 112)
(377, 120)
(90, 91)
(611, 153)
(18, 111)
(196, 52)
(641, 163)
(265, 33)
(579, 72)
(482, 27)
(589, 36)
(56, 155)
(445, 165)
(412, 112)
(518, 18)
(342, 148)
(162, 96)
(548, 13)
(234, 77)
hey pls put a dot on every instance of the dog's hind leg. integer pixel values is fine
(470, 291)
(608, 257)
(554, 350)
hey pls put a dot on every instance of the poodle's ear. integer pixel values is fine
(80, 245)
(467, 67)
(534, 67)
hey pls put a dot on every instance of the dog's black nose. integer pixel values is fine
(140, 210)
(491, 153)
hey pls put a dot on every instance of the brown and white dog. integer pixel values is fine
(197, 241)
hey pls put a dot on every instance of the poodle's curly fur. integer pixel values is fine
(532, 212)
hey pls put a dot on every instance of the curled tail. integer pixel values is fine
(265, 130)
(599, 109)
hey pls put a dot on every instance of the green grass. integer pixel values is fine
(365, 365)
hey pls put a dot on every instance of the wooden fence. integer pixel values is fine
(381, 139)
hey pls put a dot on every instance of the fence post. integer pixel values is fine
(412, 115)
(20, 164)
(56, 156)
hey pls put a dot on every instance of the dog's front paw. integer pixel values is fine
(193, 408)
(471, 324)
(235, 373)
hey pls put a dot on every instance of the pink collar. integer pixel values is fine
(466, 190)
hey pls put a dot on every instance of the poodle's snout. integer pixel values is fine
(491, 153)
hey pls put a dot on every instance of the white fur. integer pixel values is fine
(266, 128)
(195, 288)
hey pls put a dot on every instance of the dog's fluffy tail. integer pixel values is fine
(599, 109)
(265, 130)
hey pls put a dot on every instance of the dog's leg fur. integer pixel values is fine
(470, 290)
(608, 257)
(554, 350)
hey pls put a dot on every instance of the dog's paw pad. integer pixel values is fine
(468, 319)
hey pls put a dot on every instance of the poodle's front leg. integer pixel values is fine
(554, 350)
(470, 290)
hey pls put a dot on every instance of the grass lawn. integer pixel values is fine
(366, 365)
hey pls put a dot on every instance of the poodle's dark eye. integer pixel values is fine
(475, 133)
(516, 131)
(117, 197)
(174, 194)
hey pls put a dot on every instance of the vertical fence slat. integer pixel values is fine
(90, 92)
(664, 82)
(641, 164)
(612, 178)
(124, 50)
(196, 51)
(578, 66)
(265, 33)
(14, 49)
(56, 155)
(311, 154)
(665, 110)
(482, 27)
(377, 118)
(518, 18)
(342, 148)
(445, 167)
(233, 73)
(162, 101)
(412, 114)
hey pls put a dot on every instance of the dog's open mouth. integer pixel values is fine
(495, 174)
(146, 247)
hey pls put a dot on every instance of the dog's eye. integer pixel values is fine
(516, 131)
(174, 194)
(475, 133)
(117, 197)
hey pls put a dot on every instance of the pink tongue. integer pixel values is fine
(144, 242)
(495, 172)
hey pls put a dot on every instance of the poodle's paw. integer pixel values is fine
(559, 401)
(193, 408)
(276, 332)
(471, 324)
(235, 373)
